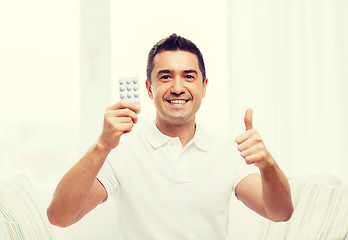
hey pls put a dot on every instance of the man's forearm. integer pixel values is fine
(73, 190)
(79, 192)
(276, 193)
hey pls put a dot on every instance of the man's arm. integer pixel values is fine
(79, 191)
(268, 195)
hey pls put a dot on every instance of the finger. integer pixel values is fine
(119, 113)
(122, 127)
(121, 120)
(251, 150)
(245, 145)
(125, 104)
(245, 136)
(249, 139)
(242, 137)
(248, 119)
(126, 127)
(256, 158)
(128, 114)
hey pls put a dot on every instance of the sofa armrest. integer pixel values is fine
(321, 210)
(22, 213)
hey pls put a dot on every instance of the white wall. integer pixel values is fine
(39, 93)
(288, 60)
(39, 61)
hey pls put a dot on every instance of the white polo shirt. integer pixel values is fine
(168, 192)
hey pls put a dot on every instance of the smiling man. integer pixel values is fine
(172, 180)
(177, 87)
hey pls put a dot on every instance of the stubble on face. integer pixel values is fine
(177, 87)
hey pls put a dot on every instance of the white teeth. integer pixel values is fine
(177, 101)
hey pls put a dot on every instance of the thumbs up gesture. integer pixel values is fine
(251, 145)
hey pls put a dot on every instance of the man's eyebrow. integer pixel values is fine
(190, 71)
(164, 71)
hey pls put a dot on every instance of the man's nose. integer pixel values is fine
(178, 86)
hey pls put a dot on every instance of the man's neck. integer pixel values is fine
(185, 131)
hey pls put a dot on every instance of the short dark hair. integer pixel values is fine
(174, 43)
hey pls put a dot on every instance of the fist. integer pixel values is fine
(250, 144)
(118, 119)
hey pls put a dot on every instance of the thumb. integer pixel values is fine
(248, 119)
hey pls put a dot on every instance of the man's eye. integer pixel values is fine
(190, 77)
(165, 77)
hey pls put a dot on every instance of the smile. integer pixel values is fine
(177, 101)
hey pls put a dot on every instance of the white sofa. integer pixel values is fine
(321, 212)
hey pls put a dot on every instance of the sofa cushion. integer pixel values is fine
(320, 212)
(22, 214)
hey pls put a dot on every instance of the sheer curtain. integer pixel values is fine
(39, 91)
(288, 60)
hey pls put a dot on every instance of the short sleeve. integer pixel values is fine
(241, 169)
(107, 177)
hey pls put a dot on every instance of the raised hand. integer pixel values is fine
(251, 145)
(118, 119)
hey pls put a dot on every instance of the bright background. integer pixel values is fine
(60, 61)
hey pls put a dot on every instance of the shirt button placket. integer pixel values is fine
(182, 172)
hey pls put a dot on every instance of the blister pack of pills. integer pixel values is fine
(129, 89)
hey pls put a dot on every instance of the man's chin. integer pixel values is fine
(179, 119)
(182, 119)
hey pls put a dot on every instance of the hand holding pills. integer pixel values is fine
(121, 117)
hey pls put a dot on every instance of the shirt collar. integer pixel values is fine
(156, 138)
(201, 138)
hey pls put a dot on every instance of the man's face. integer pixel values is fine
(177, 86)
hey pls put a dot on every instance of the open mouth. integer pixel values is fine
(177, 101)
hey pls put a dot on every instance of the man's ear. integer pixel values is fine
(204, 87)
(149, 89)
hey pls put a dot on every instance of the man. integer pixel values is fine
(172, 180)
